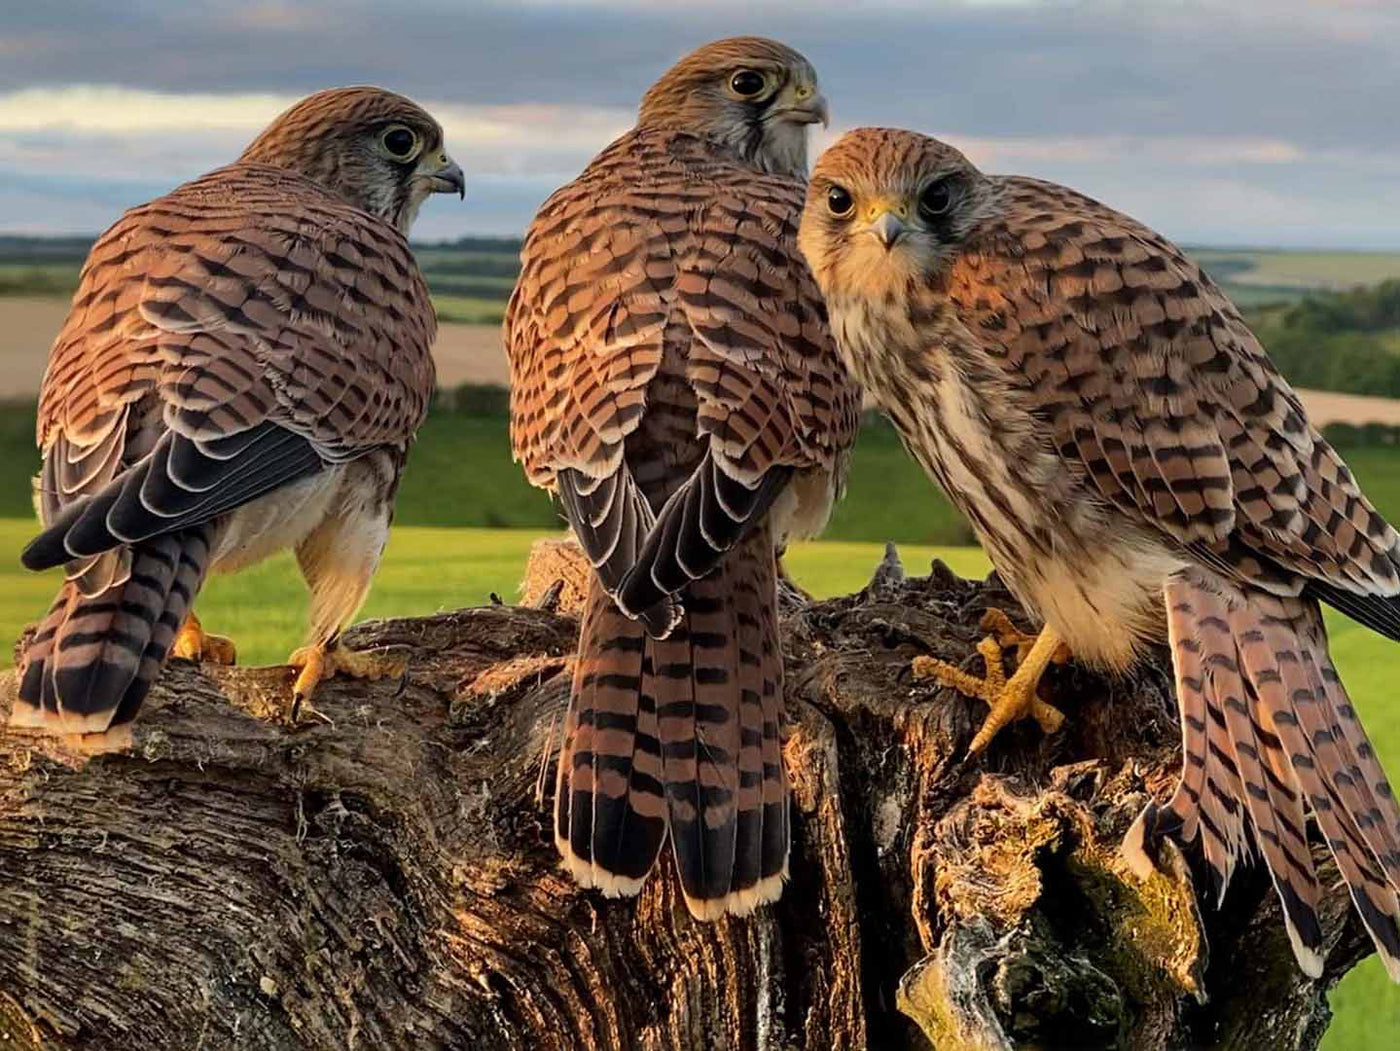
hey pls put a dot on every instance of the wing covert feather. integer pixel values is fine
(664, 247)
(250, 296)
(1157, 390)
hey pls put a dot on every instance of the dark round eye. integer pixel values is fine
(838, 200)
(747, 83)
(399, 142)
(936, 199)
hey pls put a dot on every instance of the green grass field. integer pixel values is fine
(888, 497)
(470, 310)
(1297, 270)
(38, 279)
(427, 569)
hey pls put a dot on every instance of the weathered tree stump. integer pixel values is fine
(387, 878)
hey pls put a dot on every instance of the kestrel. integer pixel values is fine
(243, 369)
(673, 381)
(1138, 471)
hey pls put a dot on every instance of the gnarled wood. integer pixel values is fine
(387, 879)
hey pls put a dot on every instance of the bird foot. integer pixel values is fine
(995, 622)
(194, 644)
(319, 662)
(1011, 699)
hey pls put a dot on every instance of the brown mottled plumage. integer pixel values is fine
(673, 380)
(244, 366)
(1137, 470)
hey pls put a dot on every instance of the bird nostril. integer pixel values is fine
(875, 211)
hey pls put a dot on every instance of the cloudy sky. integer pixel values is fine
(1249, 122)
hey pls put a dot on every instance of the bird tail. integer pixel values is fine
(680, 736)
(1267, 728)
(99, 650)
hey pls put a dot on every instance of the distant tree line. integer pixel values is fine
(1351, 435)
(1369, 308)
(490, 245)
(18, 249)
(1341, 341)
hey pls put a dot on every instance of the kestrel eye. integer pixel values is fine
(838, 201)
(936, 199)
(747, 83)
(399, 142)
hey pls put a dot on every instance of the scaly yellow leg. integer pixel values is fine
(325, 660)
(193, 644)
(1009, 699)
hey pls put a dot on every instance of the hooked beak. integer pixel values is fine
(448, 179)
(813, 111)
(888, 229)
(442, 175)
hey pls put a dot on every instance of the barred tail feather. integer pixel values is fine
(680, 737)
(1208, 799)
(764, 832)
(95, 657)
(1258, 665)
(719, 697)
(610, 811)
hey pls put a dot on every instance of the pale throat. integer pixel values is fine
(783, 149)
(408, 215)
(890, 341)
(875, 340)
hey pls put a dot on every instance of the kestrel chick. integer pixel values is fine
(674, 382)
(1138, 471)
(243, 369)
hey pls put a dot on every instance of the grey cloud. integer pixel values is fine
(1321, 78)
(1286, 69)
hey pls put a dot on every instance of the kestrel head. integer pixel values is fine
(753, 95)
(380, 151)
(888, 207)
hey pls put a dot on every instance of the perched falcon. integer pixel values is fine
(674, 383)
(1138, 471)
(243, 369)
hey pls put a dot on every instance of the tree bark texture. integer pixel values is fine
(385, 877)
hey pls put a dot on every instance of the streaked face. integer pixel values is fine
(406, 162)
(380, 151)
(755, 95)
(886, 208)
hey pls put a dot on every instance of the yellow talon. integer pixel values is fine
(193, 644)
(323, 661)
(1009, 699)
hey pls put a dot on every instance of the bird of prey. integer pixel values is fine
(243, 369)
(1138, 472)
(673, 381)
